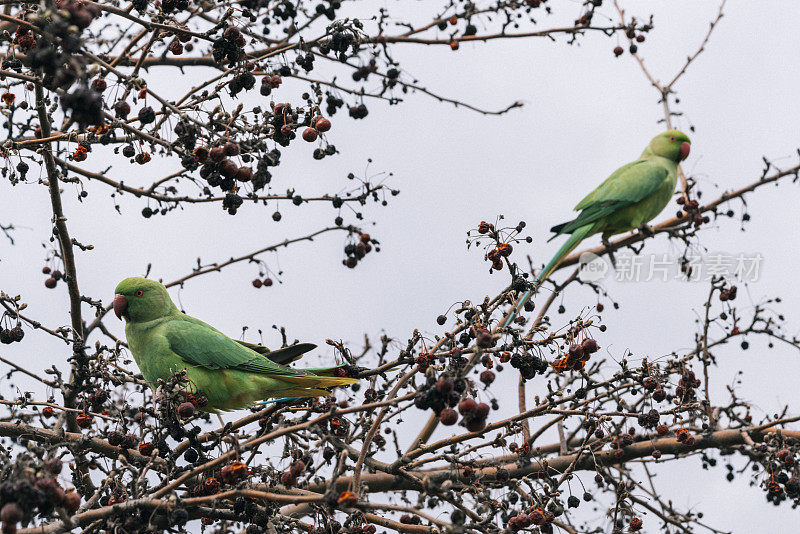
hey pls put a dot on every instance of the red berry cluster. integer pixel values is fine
(538, 517)
(631, 34)
(270, 82)
(623, 440)
(259, 283)
(635, 525)
(691, 209)
(116, 438)
(782, 483)
(11, 335)
(23, 497)
(356, 251)
(230, 47)
(318, 125)
(684, 436)
(686, 386)
(651, 384)
(728, 293)
(576, 357)
(24, 38)
(176, 46)
(289, 478)
(475, 414)
(500, 247)
(52, 280)
(441, 395)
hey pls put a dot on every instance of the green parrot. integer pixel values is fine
(630, 198)
(232, 374)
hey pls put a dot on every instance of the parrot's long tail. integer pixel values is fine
(307, 385)
(574, 240)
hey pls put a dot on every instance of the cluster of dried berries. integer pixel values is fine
(229, 47)
(576, 357)
(24, 496)
(85, 106)
(630, 33)
(651, 384)
(474, 413)
(538, 517)
(501, 241)
(441, 395)
(729, 293)
(318, 125)
(230, 474)
(527, 364)
(259, 283)
(11, 335)
(289, 477)
(691, 209)
(355, 252)
(52, 280)
(685, 391)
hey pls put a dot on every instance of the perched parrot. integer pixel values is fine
(230, 373)
(630, 198)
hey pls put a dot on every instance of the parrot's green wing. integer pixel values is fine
(627, 185)
(202, 345)
(283, 356)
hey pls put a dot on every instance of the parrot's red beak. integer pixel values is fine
(685, 148)
(120, 306)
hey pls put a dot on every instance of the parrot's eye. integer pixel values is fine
(138, 293)
(672, 138)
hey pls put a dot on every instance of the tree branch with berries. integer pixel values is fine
(207, 98)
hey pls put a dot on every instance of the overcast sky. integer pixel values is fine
(586, 113)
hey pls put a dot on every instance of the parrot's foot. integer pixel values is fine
(607, 244)
(647, 230)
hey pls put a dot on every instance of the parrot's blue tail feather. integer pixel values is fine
(261, 403)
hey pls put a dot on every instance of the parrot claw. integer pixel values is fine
(607, 244)
(647, 230)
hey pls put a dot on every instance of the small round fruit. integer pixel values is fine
(228, 168)
(323, 125)
(84, 420)
(186, 410)
(297, 467)
(310, 135)
(231, 148)
(448, 417)
(476, 425)
(217, 153)
(11, 513)
(467, 405)
(288, 479)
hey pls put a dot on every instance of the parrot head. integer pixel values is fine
(140, 299)
(672, 144)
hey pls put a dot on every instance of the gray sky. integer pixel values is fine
(585, 114)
